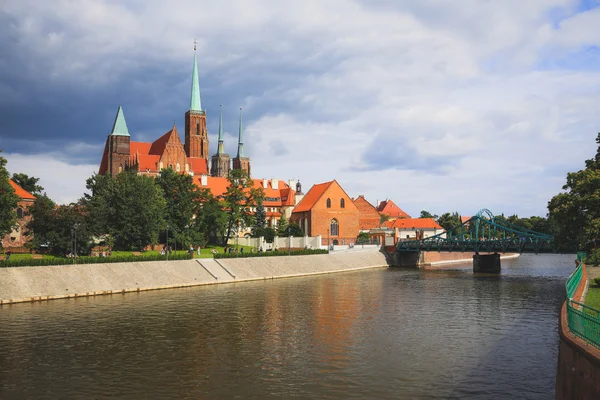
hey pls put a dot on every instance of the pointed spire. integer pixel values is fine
(119, 126)
(241, 139)
(195, 103)
(220, 149)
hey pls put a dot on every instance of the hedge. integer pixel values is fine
(272, 253)
(91, 260)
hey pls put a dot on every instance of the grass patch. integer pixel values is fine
(592, 299)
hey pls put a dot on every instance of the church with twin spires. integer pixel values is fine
(191, 157)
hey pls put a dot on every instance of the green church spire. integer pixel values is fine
(119, 126)
(195, 103)
(241, 140)
(220, 149)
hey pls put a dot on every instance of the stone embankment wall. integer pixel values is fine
(578, 372)
(26, 284)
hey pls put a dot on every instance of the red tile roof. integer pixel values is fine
(413, 223)
(273, 197)
(22, 193)
(313, 195)
(388, 207)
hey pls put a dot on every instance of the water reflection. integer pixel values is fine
(374, 334)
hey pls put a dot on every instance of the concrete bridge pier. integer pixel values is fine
(488, 263)
(407, 259)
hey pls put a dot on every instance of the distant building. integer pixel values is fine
(414, 228)
(280, 197)
(389, 208)
(327, 210)
(368, 217)
(17, 238)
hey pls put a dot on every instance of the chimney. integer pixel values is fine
(204, 180)
(265, 183)
(275, 183)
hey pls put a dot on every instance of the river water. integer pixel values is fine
(376, 334)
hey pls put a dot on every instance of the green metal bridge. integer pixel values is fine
(484, 233)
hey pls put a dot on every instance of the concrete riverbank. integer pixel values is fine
(438, 260)
(28, 284)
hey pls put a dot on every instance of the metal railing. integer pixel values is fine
(583, 321)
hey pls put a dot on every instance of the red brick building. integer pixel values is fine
(368, 217)
(327, 210)
(389, 208)
(17, 237)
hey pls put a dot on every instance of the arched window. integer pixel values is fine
(342, 203)
(328, 203)
(19, 212)
(334, 228)
(198, 128)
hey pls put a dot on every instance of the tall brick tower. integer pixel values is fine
(220, 161)
(118, 143)
(196, 136)
(241, 162)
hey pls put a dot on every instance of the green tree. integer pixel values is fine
(8, 201)
(239, 198)
(58, 228)
(28, 183)
(383, 218)
(427, 214)
(575, 213)
(260, 219)
(282, 226)
(292, 229)
(130, 208)
(211, 219)
(182, 204)
(449, 221)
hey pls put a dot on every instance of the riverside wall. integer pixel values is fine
(578, 370)
(435, 259)
(29, 284)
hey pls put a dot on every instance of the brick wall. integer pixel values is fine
(368, 214)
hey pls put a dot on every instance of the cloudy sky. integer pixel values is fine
(439, 105)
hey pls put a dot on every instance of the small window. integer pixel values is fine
(328, 203)
(342, 203)
(19, 212)
(197, 128)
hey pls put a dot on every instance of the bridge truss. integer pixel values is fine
(484, 233)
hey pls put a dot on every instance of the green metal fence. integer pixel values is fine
(583, 321)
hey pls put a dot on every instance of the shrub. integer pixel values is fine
(593, 259)
(91, 260)
(597, 281)
(279, 253)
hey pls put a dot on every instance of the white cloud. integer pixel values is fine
(444, 101)
(64, 183)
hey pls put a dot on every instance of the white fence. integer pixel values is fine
(310, 242)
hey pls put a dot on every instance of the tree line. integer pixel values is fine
(132, 212)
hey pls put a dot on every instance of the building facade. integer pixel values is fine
(328, 211)
(17, 238)
(368, 217)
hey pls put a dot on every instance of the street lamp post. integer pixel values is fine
(167, 243)
(290, 245)
(363, 240)
(328, 242)
(75, 226)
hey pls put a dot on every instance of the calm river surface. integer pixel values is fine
(378, 334)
